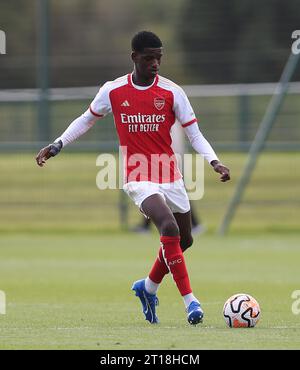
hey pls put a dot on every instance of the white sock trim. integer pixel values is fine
(150, 286)
(188, 299)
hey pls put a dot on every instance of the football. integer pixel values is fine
(241, 311)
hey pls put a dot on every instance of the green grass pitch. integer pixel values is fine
(67, 277)
(71, 292)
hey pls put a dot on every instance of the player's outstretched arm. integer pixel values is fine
(49, 151)
(76, 129)
(99, 107)
(221, 169)
(202, 146)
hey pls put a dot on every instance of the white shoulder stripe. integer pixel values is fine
(118, 82)
(168, 84)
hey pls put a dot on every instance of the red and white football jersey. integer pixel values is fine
(143, 118)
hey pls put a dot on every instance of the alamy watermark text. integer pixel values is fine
(2, 42)
(296, 304)
(2, 303)
(296, 43)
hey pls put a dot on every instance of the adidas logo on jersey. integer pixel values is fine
(125, 104)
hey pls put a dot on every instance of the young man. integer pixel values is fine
(145, 106)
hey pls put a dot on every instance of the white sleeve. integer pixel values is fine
(182, 108)
(101, 105)
(78, 127)
(199, 143)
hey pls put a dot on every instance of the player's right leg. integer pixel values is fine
(146, 289)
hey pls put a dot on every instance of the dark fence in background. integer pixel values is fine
(228, 115)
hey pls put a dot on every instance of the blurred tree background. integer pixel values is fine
(238, 41)
(207, 41)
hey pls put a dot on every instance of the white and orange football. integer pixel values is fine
(241, 311)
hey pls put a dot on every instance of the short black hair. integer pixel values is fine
(145, 39)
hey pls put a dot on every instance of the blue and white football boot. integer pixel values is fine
(195, 313)
(149, 301)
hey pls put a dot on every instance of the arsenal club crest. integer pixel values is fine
(159, 103)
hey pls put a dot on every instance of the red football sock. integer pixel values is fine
(159, 269)
(174, 259)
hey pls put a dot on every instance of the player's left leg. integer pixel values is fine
(185, 229)
(178, 201)
(159, 268)
(186, 240)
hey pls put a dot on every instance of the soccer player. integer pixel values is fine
(145, 106)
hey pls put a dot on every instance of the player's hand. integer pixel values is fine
(49, 151)
(221, 169)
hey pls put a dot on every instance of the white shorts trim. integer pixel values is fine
(173, 193)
